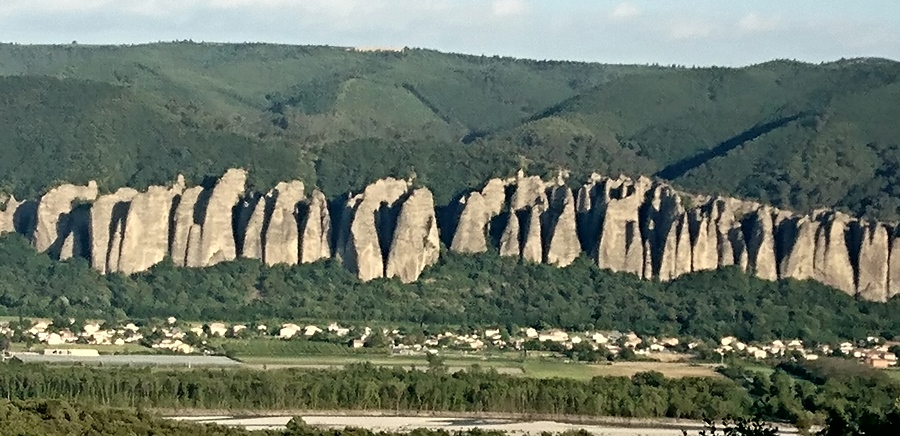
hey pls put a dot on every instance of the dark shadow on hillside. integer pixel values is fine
(683, 166)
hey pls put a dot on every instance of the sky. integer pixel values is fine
(702, 32)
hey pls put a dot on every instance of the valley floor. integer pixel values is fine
(511, 424)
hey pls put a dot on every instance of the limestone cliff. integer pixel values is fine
(53, 224)
(639, 226)
(282, 237)
(216, 241)
(415, 244)
(145, 241)
(368, 225)
(315, 240)
(186, 226)
(478, 208)
(562, 241)
(255, 226)
(107, 219)
(8, 207)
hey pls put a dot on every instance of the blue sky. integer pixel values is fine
(703, 32)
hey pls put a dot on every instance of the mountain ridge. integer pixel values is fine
(393, 228)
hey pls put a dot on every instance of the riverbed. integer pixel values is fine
(407, 423)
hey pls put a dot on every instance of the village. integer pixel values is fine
(175, 337)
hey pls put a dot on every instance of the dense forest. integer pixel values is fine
(461, 290)
(796, 135)
(844, 396)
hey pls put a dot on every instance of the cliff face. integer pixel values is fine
(390, 229)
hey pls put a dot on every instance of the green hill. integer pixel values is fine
(793, 134)
(796, 135)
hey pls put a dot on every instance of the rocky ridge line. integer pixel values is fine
(390, 229)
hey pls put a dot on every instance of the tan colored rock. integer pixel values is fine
(8, 214)
(416, 244)
(194, 247)
(477, 210)
(683, 250)
(509, 240)
(761, 246)
(255, 229)
(369, 218)
(470, 236)
(315, 241)
(529, 191)
(216, 235)
(53, 210)
(115, 246)
(532, 246)
(705, 250)
(894, 265)
(67, 251)
(563, 247)
(146, 239)
(723, 222)
(800, 247)
(282, 243)
(78, 240)
(660, 231)
(108, 214)
(186, 217)
(832, 260)
(733, 247)
(873, 263)
(621, 247)
(494, 194)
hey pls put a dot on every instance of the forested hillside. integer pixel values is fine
(796, 135)
(461, 290)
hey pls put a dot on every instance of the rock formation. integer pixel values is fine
(368, 225)
(53, 225)
(216, 240)
(255, 227)
(638, 226)
(282, 237)
(831, 261)
(186, 222)
(107, 219)
(8, 207)
(563, 246)
(145, 241)
(415, 244)
(618, 240)
(798, 239)
(478, 209)
(894, 265)
(873, 263)
(315, 230)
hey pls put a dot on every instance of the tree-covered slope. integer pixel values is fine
(796, 135)
(72, 130)
(461, 290)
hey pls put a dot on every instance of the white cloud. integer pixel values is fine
(624, 11)
(690, 29)
(754, 22)
(506, 8)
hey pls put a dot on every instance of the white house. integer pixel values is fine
(288, 331)
(217, 329)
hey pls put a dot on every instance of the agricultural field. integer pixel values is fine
(276, 354)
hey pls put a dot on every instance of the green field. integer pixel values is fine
(102, 349)
(273, 354)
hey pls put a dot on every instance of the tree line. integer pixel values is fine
(841, 396)
(463, 290)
